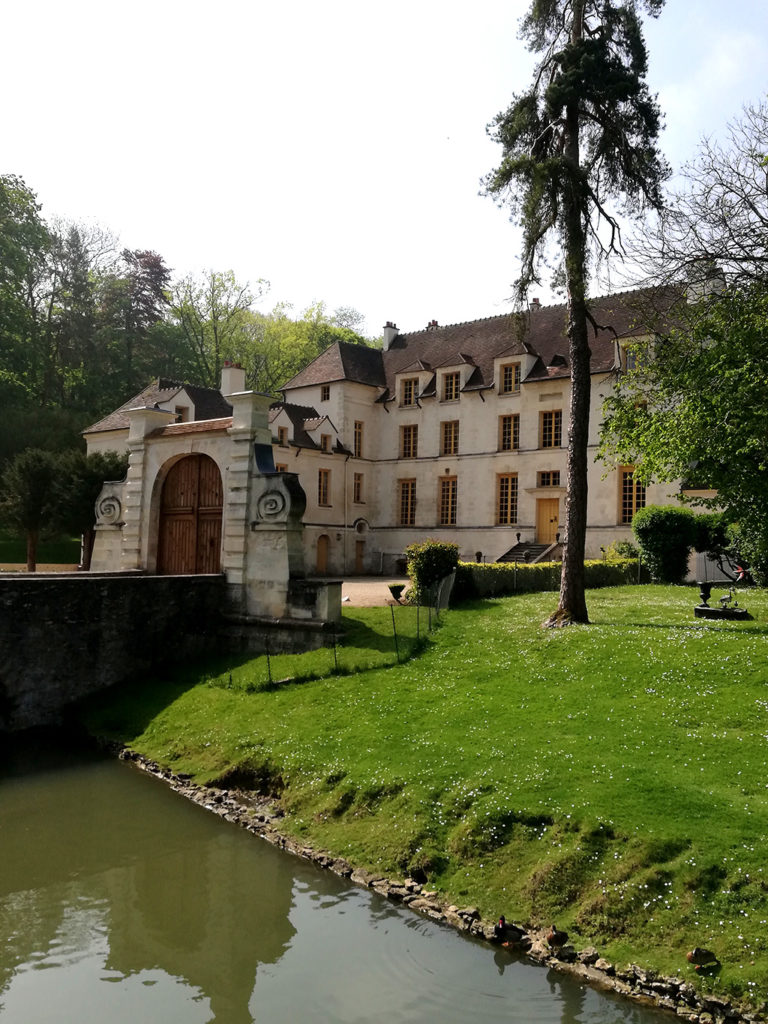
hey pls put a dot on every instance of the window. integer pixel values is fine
(323, 487)
(358, 439)
(510, 378)
(282, 436)
(447, 501)
(280, 467)
(506, 499)
(451, 383)
(449, 437)
(357, 488)
(632, 356)
(551, 429)
(182, 413)
(325, 392)
(549, 478)
(406, 502)
(408, 390)
(632, 494)
(509, 433)
(409, 441)
(325, 442)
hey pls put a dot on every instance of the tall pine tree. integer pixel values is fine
(584, 133)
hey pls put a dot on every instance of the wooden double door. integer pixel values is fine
(190, 518)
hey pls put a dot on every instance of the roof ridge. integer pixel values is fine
(555, 305)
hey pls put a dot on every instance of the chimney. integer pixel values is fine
(432, 325)
(390, 333)
(535, 304)
(706, 286)
(232, 378)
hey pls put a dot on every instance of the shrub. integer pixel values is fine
(429, 562)
(711, 533)
(665, 535)
(621, 549)
(749, 546)
(496, 579)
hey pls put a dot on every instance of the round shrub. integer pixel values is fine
(665, 535)
(429, 562)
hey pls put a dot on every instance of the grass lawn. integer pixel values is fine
(612, 778)
(57, 551)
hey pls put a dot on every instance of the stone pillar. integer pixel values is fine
(275, 549)
(107, 543)
(137, 489)
(250, 425)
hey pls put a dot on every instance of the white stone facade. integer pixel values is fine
(455, 433)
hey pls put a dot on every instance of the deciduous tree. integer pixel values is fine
(216, 315)
(715, 224)
(696, 409)
(585, 132)
(80, 478)
(27, 497)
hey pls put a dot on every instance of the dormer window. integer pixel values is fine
(282, 436)
(325, 392)
(182, 413)
(409, 388)
(325, 442)
(631, 357)
(451, 385)
(510, 378)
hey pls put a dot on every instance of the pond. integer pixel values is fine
(120, 901)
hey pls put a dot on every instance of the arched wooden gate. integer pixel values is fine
(190, 518)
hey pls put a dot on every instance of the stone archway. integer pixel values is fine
(191, 505)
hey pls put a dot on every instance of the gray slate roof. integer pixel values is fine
(541, 332)
(209, 404)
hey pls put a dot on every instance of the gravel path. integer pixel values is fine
(368, 591)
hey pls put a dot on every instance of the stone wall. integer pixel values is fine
(64, 637)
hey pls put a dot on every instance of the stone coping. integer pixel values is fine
(260, 815)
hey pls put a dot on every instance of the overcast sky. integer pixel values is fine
(333, 147)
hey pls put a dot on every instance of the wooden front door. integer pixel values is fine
(323, 544)
(547, 517)
(190, 518)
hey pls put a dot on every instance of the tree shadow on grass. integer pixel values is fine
(123, 711)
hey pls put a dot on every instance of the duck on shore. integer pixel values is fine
(556, 938)
(700, 957)
(511, 936)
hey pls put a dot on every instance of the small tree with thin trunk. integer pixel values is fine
(79, 482)
(584, 132)
(27, 500)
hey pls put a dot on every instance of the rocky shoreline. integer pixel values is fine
(260, 815)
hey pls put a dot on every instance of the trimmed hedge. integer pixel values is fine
(496, 579)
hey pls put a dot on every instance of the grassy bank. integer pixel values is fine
(611, 778)
(59, 550)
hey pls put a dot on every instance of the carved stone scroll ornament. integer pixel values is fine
(270, 505)
(109, 510)
(282, 501)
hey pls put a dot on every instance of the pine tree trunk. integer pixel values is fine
(572, 606)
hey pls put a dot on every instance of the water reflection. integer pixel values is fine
(120, 901)
(109, 874)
